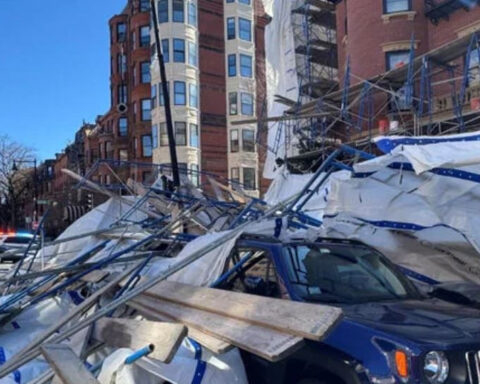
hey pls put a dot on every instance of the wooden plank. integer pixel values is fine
(135, 334)
(67, 365)
(312, 321)
(261, 341)
(214, 344)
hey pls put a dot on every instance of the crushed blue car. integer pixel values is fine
(391, 332)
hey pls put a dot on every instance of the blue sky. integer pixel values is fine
(54, 68)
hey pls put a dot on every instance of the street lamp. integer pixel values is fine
(35, 191)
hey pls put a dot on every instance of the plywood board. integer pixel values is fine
(136, 334)
(69, 368)
(311, 321)
(261, 341)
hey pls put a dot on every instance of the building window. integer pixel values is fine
(122, 126)
(161, 99)
(247, 104)
(145, 71)
(146, 176)
(144, 5)
(248, 140)
(154, 96)
(245, 65)
(192, 13)
(166, 50)
(146, 109)
(392, 6)
(121, 63)
(121, 32)
(396, 59)
(145, 36)
(147, 146)
(155, 136)
(180, 133)
(163, 135)
(230, 1)
(235, 176)
(123, 154)
(178, 11)
(192, 54)
(179, 50)
(163, 11)
(122, 94)
(244, 29)
(230, 28)
(108, 150)
(233, 103)
(234, 140)
(249, 179)
(194, 175)
(179, 91)
(194, 136)
(247, 2)
(232, 65)
(193, 95)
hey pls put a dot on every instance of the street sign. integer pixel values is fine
(42, 202)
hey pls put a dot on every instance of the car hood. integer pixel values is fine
(429, 321)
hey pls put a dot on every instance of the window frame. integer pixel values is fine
(144, 40)
(192, 14)
(154, 136)
(192, 48)
(163, 11)
(178, 51)
(154, 94)
(122, 94)
(231, 28)
(163, 135)
(147, 117)
(142, 74)
(166, 50)
(240, 29)
(143, 145)
(249, 66)
(387, 12)
(195, 96)
(230, 104)
(123, 34)
(119, 127)
(247, 147)
(388, 55)
(184, 93)
(234, 143)
(180, 11)
(191, 135)
(245, 185)
(242, 94)
(232, 66)
(180, 137)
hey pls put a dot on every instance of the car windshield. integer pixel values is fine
(345, 274)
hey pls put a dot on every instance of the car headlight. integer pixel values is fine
(436, 367)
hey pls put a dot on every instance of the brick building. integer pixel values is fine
(440, 91)
(214, 54)
(124, 132)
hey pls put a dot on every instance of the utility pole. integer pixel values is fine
(166, 99)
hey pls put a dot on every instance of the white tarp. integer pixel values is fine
(281, 75)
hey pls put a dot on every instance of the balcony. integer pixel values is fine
(441, 9)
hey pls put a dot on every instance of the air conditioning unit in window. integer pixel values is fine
(122, 108)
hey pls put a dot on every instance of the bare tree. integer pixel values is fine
(14, 180)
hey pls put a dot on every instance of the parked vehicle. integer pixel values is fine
(390, 333)
(13, 245)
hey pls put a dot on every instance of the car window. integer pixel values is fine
(343, 274)
(256, 276)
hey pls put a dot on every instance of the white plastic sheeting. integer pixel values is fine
(191, 365)
(281, 75)
(425, 221)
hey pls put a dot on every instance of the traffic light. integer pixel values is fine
(90, 201)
